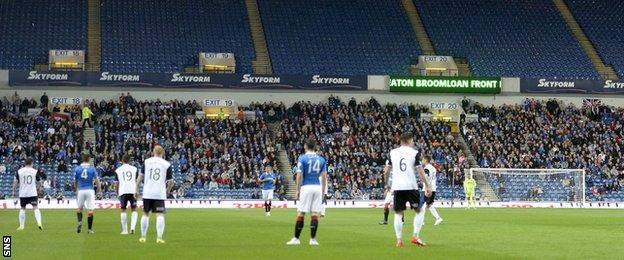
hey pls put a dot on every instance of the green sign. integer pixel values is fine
(428, 84)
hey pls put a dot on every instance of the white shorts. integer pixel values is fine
(310, 199)
(389, 197)
(86, 199)
(267, 194)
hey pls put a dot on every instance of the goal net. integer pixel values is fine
(536, 185)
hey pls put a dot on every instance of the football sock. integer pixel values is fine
(270, 205)
(434, 212)
(38, 217)
(386, 213)
(398, 225)
(79, 217)
(124, 222)
(144, 225)
(266, 207)
(133, 220)
(419, 219)
(160, 226)
(298, 227)
(313, 226)
(90, 221)
(22, 217)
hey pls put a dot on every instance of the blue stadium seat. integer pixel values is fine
(338, 37)
(520, 38)
(169, 35)
(30, 28)
(602, 22)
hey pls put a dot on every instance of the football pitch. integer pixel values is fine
(343, 234)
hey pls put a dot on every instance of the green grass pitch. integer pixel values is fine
(343, 234)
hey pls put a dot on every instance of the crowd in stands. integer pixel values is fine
(357, 137)
(551, 134)
(207, 153)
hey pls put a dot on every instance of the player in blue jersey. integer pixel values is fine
(310, 189)
(86, 176)
(267, 180)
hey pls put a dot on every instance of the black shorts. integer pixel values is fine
(156, 206)
(401, 197)
(429, 200)
(124, 199)
(34, 201)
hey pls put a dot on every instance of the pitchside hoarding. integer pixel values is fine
(188, 80)
(426, 84)
(334, 204)
(578, 86)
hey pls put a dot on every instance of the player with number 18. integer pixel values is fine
(157, 183)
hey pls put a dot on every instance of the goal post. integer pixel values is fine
(534, 185)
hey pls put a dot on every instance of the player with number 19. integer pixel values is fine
(157, 183)
(126, 185)
(86, 176)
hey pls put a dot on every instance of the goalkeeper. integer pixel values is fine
(469, 190)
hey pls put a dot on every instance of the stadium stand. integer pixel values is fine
(602, 22)
(538, 134)
(338, 37)
(506, 38)
(45, 137)
(356, 137)
(228, 152)
(169, 35)
(30, 28)
(216, 159)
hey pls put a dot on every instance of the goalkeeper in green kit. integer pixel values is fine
(469, 190)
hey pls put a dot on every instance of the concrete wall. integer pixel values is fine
(287, 96)
(4, 78)
(377, 82)
(510, 85)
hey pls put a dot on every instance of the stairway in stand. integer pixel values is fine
(419, 28)
(94, 37)
(606, 71)
(262, 63)
(283, 164)
(88, 135)
(484, 186)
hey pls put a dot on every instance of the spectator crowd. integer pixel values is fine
(357, 137)
(211, 154)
